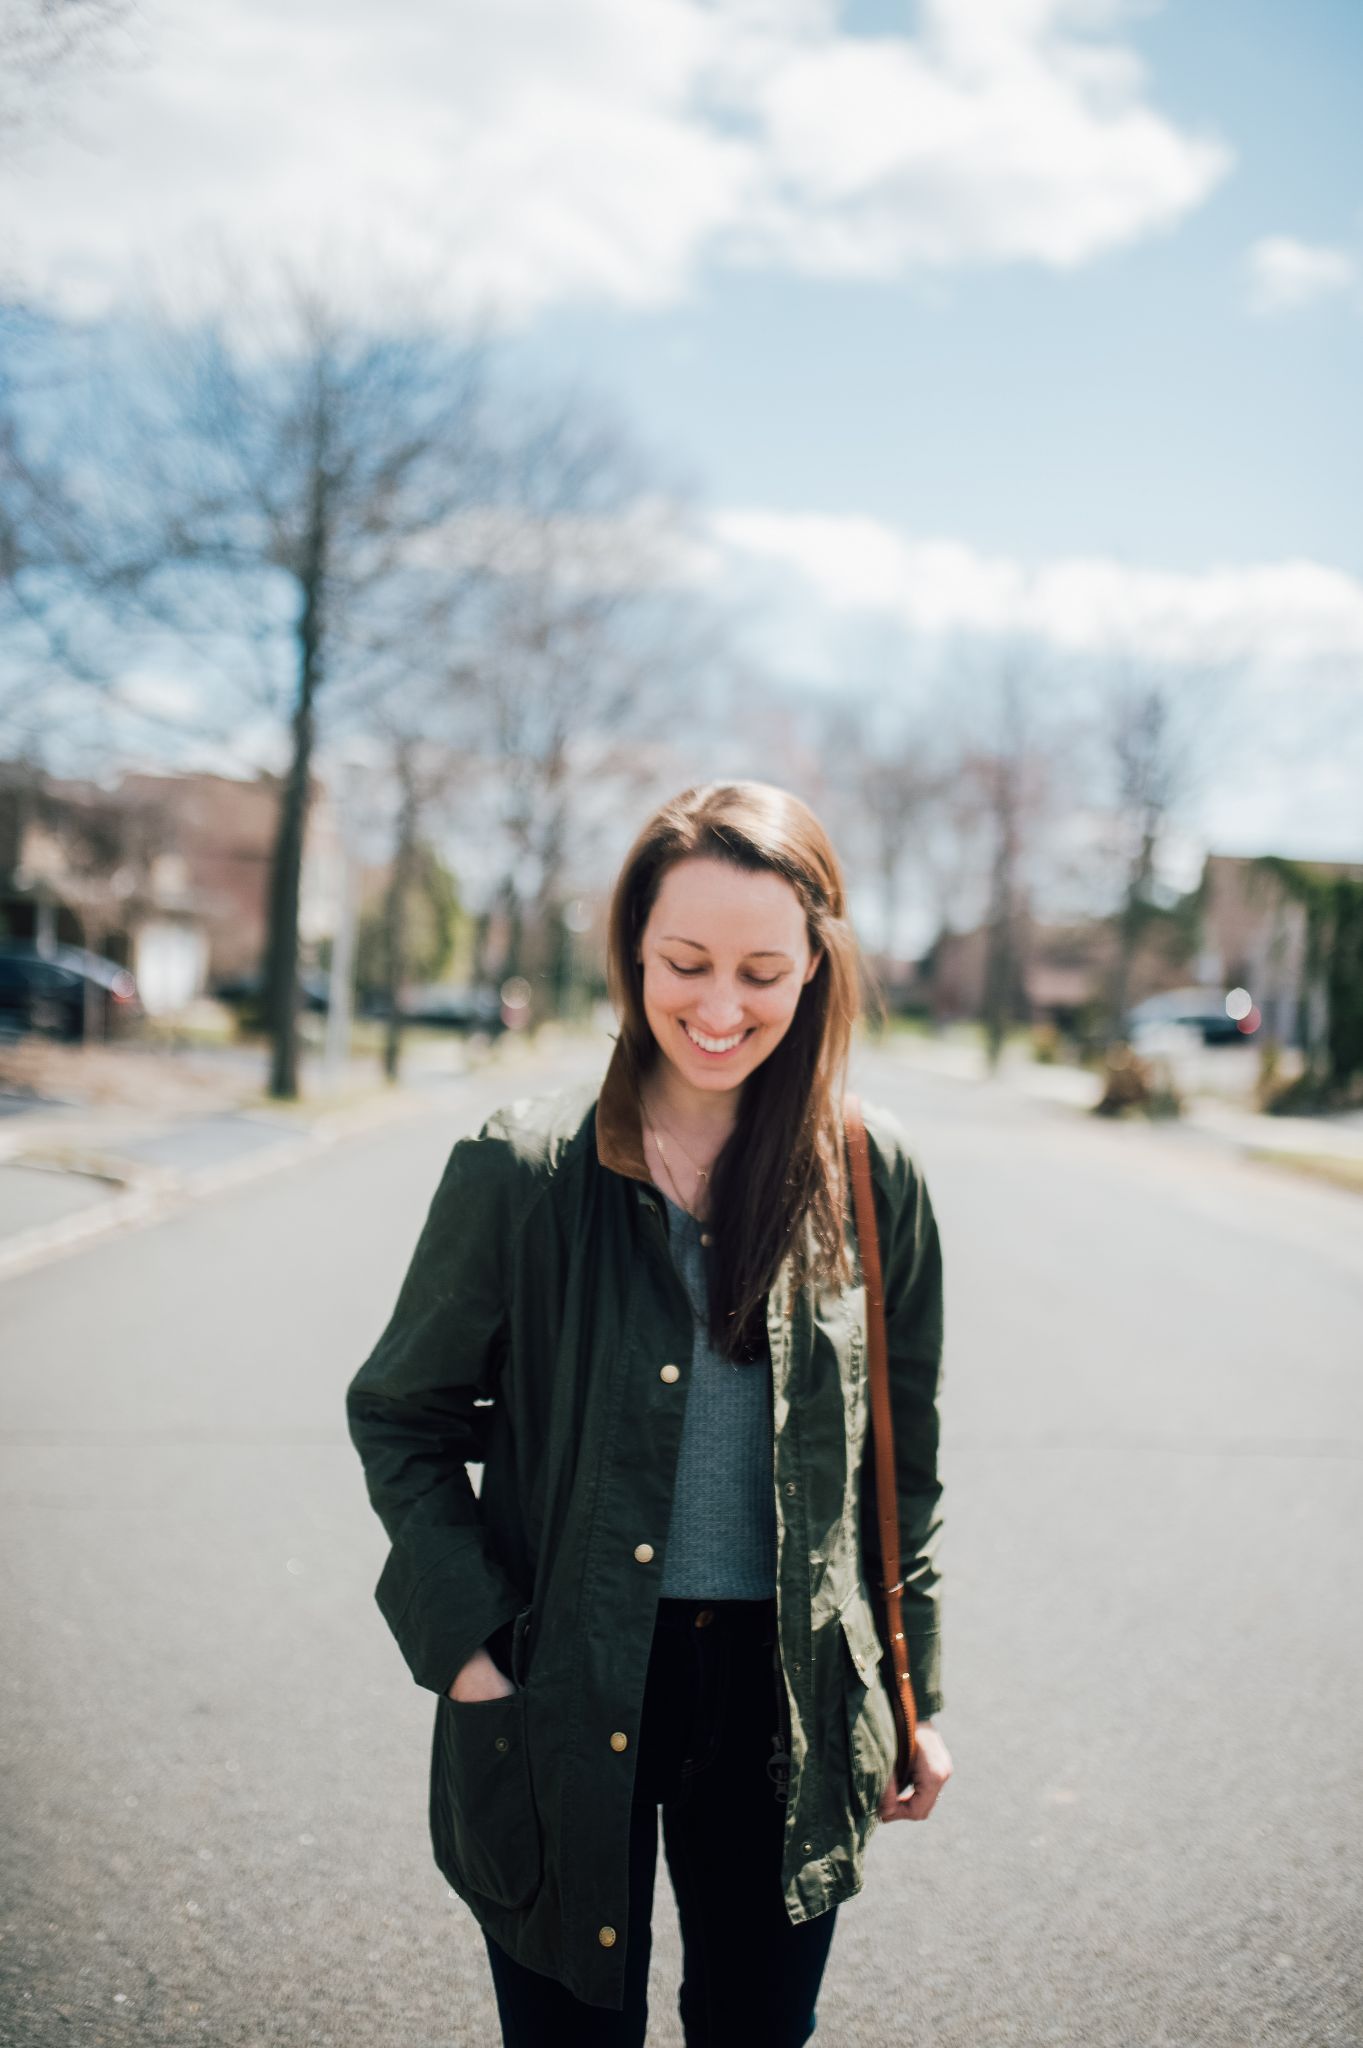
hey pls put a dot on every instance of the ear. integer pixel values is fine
(813, 967)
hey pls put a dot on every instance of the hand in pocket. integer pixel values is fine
(480, 1679)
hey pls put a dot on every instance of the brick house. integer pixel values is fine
(167, 874)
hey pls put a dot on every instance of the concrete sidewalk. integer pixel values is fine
(66, 1180)
(1246, 1130)
(71, 1171)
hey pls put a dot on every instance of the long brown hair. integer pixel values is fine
(779, 1184)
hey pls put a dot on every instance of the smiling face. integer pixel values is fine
(725, 956)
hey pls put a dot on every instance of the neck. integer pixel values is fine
(708, 1113)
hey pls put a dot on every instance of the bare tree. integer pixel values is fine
(1009, 779)
(1159, 726)
(581, 638)
(424, 774)
(1149, 769)
(282, 492)
(314, 521)
(54, 572)
(44, 41)
(884, 782)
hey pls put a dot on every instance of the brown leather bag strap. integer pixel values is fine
(882, 1424)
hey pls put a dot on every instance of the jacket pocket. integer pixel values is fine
(484, 1826)
(871, 1740)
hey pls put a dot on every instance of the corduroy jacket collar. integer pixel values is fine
(619, 1128)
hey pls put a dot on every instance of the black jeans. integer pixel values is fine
(712, 1703)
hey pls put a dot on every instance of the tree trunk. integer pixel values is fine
(287, 868)
(1000, 967)
(878, 1016)
(999, 977)
(285, 880)
(395, 916)
(1345, 1023)
(1131, 922)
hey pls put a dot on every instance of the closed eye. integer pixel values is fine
(757, 980)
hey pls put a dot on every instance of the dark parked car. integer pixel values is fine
(441, 1005)
(1195, 1009)
(247, 991)
(457, 1009)
(63, 992)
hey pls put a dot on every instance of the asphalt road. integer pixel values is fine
(214, 1759)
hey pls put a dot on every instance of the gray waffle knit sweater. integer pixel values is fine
(721, 1543)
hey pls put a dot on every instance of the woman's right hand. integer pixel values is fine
(481, 1679)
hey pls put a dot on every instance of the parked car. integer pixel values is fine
(64, 992)
(247, 991)
(454, 1008)
(442, 1005)
(1200, 1010)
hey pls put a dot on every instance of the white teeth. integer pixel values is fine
(713, 1044)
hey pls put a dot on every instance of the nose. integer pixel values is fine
(720, 1013)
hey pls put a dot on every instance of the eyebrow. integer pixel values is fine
(758, 953)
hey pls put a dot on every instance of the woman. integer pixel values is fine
(639, 1309)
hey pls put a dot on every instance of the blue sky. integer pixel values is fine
(1131, 406)
(967, 319)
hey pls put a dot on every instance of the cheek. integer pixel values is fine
(774, 1007)
(663, 992)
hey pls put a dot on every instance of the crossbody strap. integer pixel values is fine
(882, 1424)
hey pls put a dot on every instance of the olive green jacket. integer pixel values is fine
(530, 1333)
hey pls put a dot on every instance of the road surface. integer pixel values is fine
(215, 1761)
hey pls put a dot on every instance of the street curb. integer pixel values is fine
(150, 1194)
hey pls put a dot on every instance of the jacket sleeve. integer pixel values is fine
(911, 1262)
(412, 1417)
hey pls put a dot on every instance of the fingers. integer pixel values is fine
(890, 1808)
(919, 1803)
(481, 1688)
(482, 1678)
(915, 1804)
(917, 1800)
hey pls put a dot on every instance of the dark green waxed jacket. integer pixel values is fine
(529, 1335)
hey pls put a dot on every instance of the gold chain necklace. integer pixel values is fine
(699, 1172)
(702, 1173)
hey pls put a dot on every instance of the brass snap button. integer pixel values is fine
(619, 1740)
(705, 1617)
(643, 1552)
(606, 1937)
(670, 1373)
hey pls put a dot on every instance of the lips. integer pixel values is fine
(705, 1051)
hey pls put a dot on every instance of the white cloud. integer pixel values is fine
(643, 546)
(165, 695)
(1284, 274)
(533, 152)
(1001, 134)
(1274, 615)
